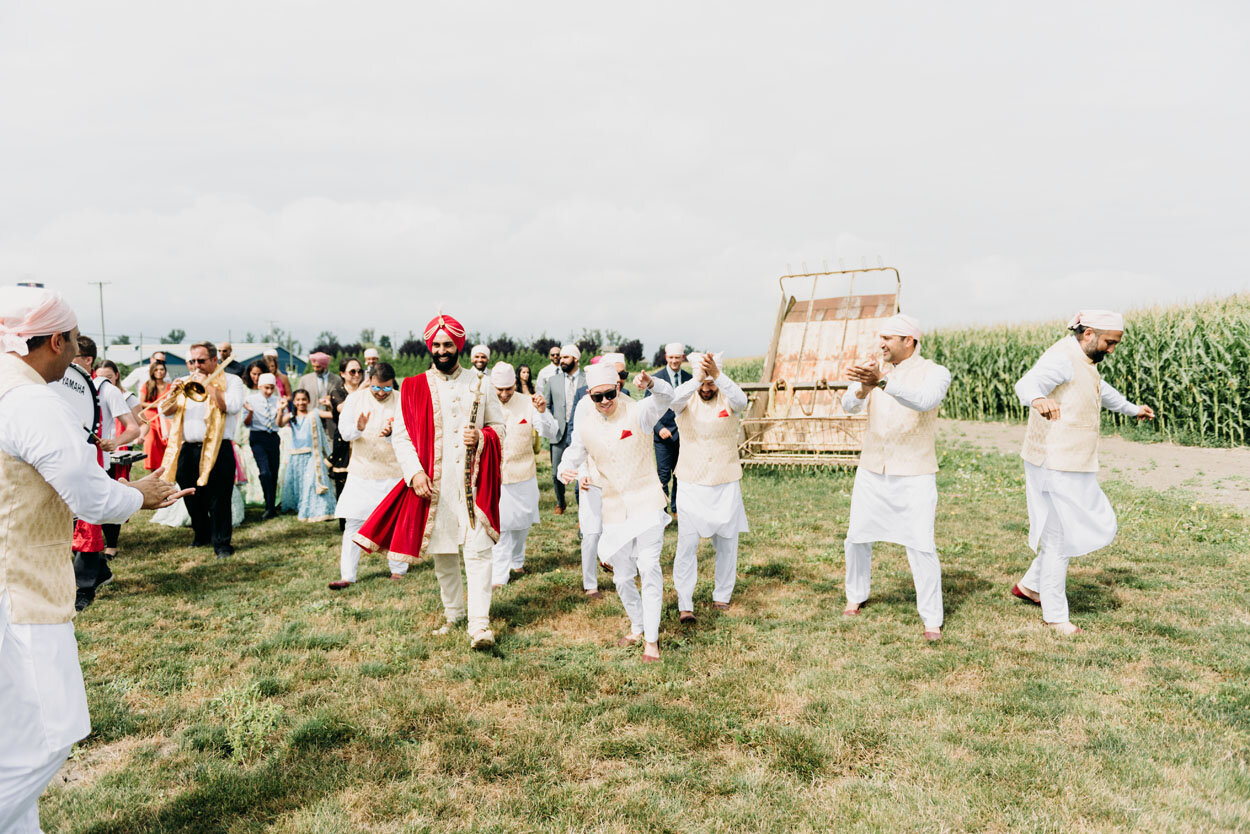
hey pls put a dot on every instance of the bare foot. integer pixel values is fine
(1066, 629)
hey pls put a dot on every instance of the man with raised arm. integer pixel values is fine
(48, 475)
(614, 433)
(708, 408)
(518, 497)
(895, 494)
(1069, 515)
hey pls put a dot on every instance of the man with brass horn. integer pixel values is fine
(449, 448)
(203, 409)
(48, 475)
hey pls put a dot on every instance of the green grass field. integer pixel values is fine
(243, 696)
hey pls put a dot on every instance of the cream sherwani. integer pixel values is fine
(709, 477)
(372, 471)
(518, 494)
(48, 474)
(895, 494)
(452, 531)
(621, 450)
(1069, 515)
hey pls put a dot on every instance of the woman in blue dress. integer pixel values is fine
(308, 489)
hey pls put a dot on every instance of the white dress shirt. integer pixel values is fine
(193, 426)
(264, 411)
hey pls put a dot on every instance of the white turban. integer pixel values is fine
(371, 353)
(1097, 320)
(601, 374)
(270, 352)
(674, 348)
(696, 362)
(267, 379)
(571, 350)
(503, 375)
(612, 359)
(482, 349)
(26, 312)
(902, 325)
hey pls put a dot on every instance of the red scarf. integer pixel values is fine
(398, 524)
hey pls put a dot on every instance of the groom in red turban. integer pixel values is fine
(449, 448)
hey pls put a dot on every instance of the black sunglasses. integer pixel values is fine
(623, 374)
(609, 394)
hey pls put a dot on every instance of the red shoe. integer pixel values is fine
(559, 511)
(1016, 592)
(340, 585)
(646, 658)
(606, 567)
(685, 616)
(397, 577)
(596, 594)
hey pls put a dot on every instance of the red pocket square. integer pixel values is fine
(724, 412)
(626, 433)
(523, 422)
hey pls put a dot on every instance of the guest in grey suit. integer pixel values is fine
(559, 391)
(667, 440)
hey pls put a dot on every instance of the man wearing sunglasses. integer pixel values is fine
(518, 495)
(366, 422)
(614, 434)
(590, 491)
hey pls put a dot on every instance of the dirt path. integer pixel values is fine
(1213, 476)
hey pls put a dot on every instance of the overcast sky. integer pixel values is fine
(647, 167)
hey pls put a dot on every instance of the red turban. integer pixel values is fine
(453, 328)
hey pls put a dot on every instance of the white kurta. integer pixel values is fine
(43, 703)
(518, 502)
(715, 510)
(1087, 519)
(620, 535)
(896, 508)
(361, 496)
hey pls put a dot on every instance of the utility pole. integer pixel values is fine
(104, 339)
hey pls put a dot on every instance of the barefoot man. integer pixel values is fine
(48, 474)
(614, 433)
(895, 492)
(1069, 515)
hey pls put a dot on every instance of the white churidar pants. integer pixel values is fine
(349, 558)
(43, 711)
(1069, 516)
(708, 512)
(509, 553)
(478, 567)
(590, 522)
(640, 559)
(926, 574)
(897, 509)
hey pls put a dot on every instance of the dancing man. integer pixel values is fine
(448, 444)
(895, 494)
(1069, 515)
(518, 499)
(368, 422)
(47, 476)
(614, 433)
(709, 476)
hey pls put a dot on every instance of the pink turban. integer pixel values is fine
(902, 325)
(448, 325)
(1098, 320)
(319, 358)
(26, 312)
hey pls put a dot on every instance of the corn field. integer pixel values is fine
(1190, 363)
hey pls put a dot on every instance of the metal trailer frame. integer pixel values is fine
(813, 379)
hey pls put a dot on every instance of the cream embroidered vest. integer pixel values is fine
(1069, 444)
(36, 530)
(709, 442)
(373, 457)
(899, 440)
(624, 457)
(518, 441)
